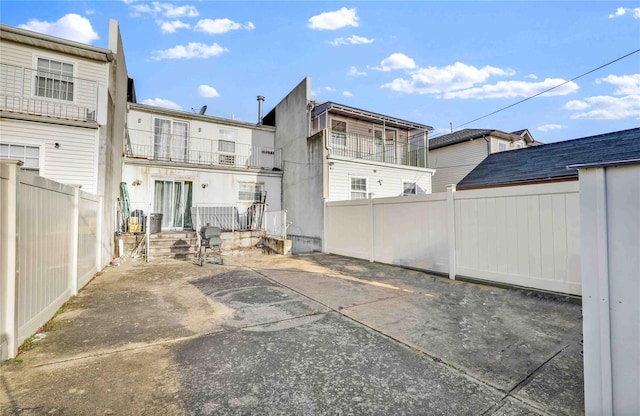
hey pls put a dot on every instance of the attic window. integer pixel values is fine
(502, 147)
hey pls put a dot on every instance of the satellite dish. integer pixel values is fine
(203, 110)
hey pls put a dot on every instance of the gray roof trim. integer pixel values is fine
(605, 164)
(39, 40)
(368, 115)
(193, 116)
(466, 135)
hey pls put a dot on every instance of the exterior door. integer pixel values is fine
(172, 199)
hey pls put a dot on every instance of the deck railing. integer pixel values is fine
(194, 150)
(29, 91)
(358, 146)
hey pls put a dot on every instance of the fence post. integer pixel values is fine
(73, 252)
(451, 230)
(372, 247)
(8, 255)
(99, 225)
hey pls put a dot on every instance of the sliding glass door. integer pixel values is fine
(172, 199)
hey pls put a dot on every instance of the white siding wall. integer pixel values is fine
(74, 162)
(452, 163)
(391, 178)
(25, 56)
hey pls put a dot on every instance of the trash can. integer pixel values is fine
(155, 221)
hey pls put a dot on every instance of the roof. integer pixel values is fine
(553, 161)
(27, 37)
(466, 135)
(368, 115)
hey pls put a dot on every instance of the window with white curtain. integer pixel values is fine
(54, 79)
(358, 188)
(170, 140)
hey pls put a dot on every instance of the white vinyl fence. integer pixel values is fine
(49, 248)
(523, 235)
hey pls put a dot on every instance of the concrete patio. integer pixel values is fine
(310, 335)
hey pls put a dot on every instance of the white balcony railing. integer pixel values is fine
(357, 146)
(178, 148)
(28, 91)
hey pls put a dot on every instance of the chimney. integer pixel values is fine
(260, 101)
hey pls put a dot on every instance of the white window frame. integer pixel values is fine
(415, 187)
(74, 77)
(502, 147)
(225, 138)
(366, 186)
(172, 134)
(255, 192)
(40, 147)
(337, 134)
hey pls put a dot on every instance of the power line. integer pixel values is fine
(549, 89)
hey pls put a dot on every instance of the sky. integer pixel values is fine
(443, 64)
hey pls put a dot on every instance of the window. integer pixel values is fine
(409, 188)
(54, 79)
(502, 147)
(227, 147)
(170, 140)
(338, 133)
(358, 188)
(29, 155)
(250, 191)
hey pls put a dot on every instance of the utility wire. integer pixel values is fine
(549, 89)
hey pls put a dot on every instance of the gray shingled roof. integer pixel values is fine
(550, 161)
(463, 136)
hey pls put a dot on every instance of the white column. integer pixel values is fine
(8, 251)
(451, 230)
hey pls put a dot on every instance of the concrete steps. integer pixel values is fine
(172, 245)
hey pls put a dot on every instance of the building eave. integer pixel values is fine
(368, 115)
(52, 43)
(192, 116)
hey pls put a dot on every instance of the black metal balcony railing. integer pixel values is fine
(357, 146)
(199, 151)
(29, 91)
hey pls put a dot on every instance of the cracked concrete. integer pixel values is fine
(309, 335)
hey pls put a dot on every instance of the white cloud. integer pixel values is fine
(606, 107)
(334, 20)
(70, 26)
(172, 26)
(621, 11)
(207, 91)
(434, 80)
(347, 94)
(165, 9)
(353, 71)
(395, 61)
(576, 105)
(322, 90)
(625, 102)
(351, 40)
(219, 26)
(160, 102)
(532, 76)
(627, 84)
(513, 89)
(191, 50)
(549, 127)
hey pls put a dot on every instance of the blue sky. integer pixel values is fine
(430, 62)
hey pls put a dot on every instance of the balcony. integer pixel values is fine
(27, 91)
(357, 146)
(191, 150)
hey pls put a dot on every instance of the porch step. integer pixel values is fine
(173, 244)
